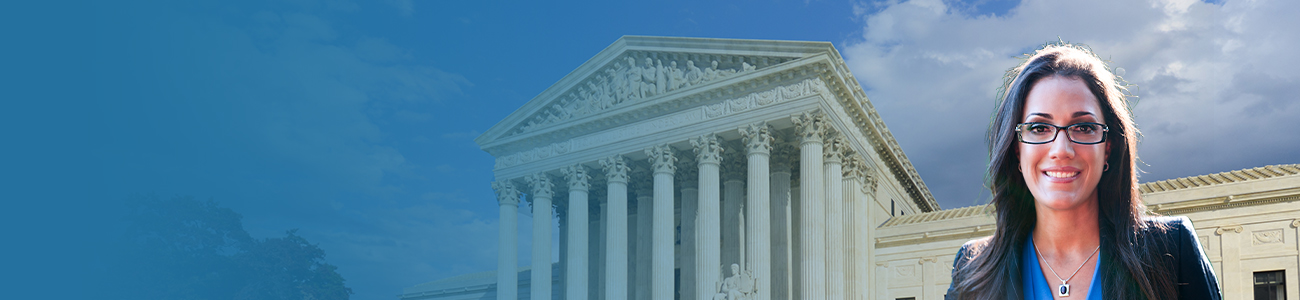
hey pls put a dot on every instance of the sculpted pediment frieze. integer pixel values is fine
(636, 77)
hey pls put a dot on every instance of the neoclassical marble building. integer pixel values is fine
(686, 168)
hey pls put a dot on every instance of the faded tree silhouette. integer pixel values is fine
(182, 248)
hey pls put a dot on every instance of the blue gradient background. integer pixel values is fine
(350, 121)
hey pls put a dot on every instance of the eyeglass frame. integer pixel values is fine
(1020, 135)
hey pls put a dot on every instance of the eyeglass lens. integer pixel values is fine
(1085, 133)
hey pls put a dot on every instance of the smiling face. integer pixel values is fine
(1062, 175)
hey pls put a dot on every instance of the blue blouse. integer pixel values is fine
(1035, 284)
(1195, 279)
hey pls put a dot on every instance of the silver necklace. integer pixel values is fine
(1063, 290)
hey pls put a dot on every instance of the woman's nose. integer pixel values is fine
(1062, 147)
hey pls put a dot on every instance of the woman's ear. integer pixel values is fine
(1107, 157)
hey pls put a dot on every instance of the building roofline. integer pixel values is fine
(1236, 176)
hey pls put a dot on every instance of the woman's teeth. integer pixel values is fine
(1061, 174)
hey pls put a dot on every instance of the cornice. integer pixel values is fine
(1236, 176)
(1226, 202)
(955, 213)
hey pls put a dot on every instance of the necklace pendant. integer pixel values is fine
(1063, 290)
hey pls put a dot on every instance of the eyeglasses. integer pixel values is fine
(1080, 133)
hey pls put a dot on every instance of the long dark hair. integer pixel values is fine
(992, 270)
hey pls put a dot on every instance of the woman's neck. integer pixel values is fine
(1067, 231)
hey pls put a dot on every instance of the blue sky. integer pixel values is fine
(354, 121)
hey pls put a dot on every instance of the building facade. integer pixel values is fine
(685, 168)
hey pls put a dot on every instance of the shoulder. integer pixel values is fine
(969, 251)
(1170, 227)
(1171, 222)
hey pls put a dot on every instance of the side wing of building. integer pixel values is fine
(1246, 221)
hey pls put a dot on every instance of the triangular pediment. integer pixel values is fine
(604, 94)
(636, 70)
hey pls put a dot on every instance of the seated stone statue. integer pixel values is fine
(740, 286)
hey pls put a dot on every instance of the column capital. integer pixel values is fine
(541, 184)
(662, 159)
(835, 147)
(810, 126)
(507, 194)
(757, 137)
(868, 179)
(615, 168)
(577, 177)
(853, 165)
(708, 150)
(784, 156)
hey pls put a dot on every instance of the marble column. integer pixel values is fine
(561, 210)
(733, 194)
(507, 253)
(868, 221)
(834, 147)
(662, 246)
(543, 190)
(632, 242)
(595, 246)
(576, 267)
(688, 170)
(758, 212)
(811, 127)
(780, 194)
(854, 255)
(796, 231)
(616, 245)
(708, 249)
(641, 178)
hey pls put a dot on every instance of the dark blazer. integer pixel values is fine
(1193, 274)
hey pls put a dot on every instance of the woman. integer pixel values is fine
(1070, 222)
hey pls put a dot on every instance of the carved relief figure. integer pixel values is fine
(693, 74)
(675, 77)
(661, 78)
(712, 72)
(634, 79)
(648, 78)
(621, 92)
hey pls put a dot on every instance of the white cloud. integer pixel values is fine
(1216, 82)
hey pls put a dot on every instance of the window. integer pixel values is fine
(891, 207)
(908, 298)
(1270, 285)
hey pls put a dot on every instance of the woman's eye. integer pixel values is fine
(1085, 128)
(1040, 129)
